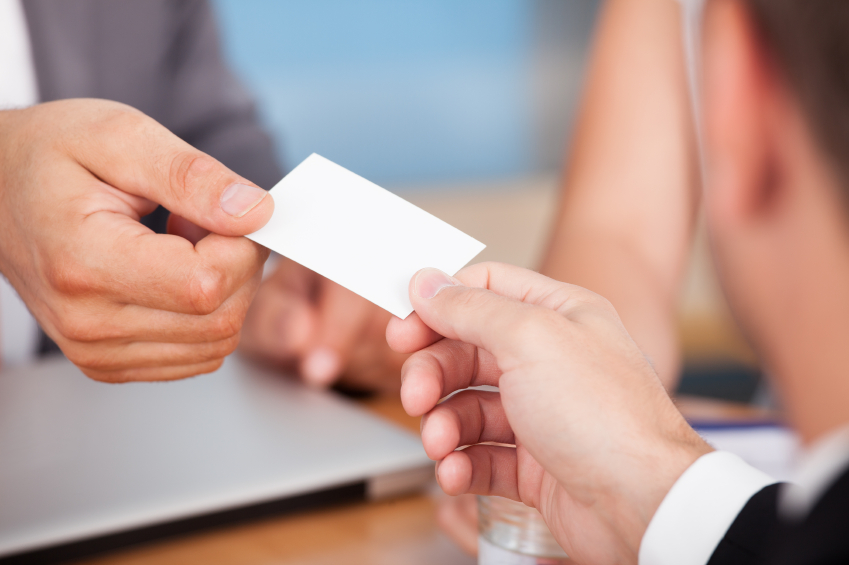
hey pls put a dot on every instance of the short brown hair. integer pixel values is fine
(810, 41)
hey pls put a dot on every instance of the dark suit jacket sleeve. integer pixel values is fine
(745, 541)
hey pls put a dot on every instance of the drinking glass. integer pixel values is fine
(514, 534)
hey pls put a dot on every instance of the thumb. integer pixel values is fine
(137, 155)
(498, 324)
(207, 194)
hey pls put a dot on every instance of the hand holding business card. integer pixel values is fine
(358, 234)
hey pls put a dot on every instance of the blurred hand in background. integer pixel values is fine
(328, 335)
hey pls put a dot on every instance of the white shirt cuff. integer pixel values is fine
(699, 509)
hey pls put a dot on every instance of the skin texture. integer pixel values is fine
(121, 302)
(777, 214)
(598, 443)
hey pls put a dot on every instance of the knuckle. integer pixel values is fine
(536, 326)
(580, 301)
(471, 299)
(189, 173)
(87, 359)
(69, 279)
(206, 290)
(225, 347)
(595, 303)
(78, 329)
(226, 323)
(114, 116)
(214, 350)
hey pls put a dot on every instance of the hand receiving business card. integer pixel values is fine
(358, 234)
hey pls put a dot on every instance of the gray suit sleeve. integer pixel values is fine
(160, 56)
(207, 105)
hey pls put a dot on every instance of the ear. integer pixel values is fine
(741, 93)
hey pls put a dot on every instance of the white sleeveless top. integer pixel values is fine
(18, 88)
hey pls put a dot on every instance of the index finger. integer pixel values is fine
(133, 265)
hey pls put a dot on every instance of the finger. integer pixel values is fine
(372, 365)
(467, 418)
(134, 153)
(280, 324)
(442, 368)
(480, 469)
(112, 358)
(115, 324)
(504, 326)
(342, 317)
(135, 266)
(153, 373)
(410, 334)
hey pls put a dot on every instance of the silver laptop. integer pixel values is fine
(87, 467)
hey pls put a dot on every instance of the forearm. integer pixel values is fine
(630, 193)
(609, 265)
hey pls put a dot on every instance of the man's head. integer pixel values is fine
(775, 95)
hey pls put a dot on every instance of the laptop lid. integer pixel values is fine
(112, 464)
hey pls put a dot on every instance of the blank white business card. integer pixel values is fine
(358, 234)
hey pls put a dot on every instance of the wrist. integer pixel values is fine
(651, 481)
(699, 508)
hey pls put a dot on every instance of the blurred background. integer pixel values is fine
(465, 108)
(414, 92)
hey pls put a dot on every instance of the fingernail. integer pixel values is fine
(239, 199)
(430, 281)
(321, 367)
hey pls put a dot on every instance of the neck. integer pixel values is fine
(809, 354)
(813, 374)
